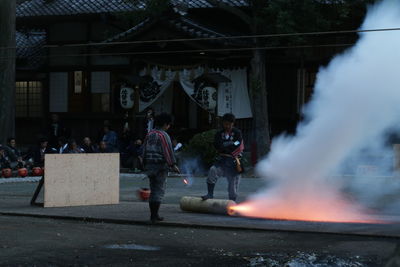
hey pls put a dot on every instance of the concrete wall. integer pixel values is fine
(81, 179)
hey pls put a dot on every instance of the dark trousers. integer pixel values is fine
(158, 176)
(232, 177)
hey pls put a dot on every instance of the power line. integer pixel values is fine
(210, 38)
(192, 51)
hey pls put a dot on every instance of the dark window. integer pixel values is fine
(28, 99)
(100, 91)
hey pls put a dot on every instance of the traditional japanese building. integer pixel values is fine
(75, 56)
(58, 72)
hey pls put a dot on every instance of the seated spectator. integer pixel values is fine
(126, 137)
(73, 147)
(110, 138)
(87, 146)
(100, 132)
(56, 129)
(4, 160)
(103, 148)
(138, 155)
(133, 156)
(62, 145)
(38, 152)
(125, 155)
(14, 155)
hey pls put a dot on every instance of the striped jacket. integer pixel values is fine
(229, 143)
(158, 148)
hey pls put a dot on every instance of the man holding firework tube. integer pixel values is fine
(158, 157)
(229, 144)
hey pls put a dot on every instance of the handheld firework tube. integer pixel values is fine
(37, 171)
(215, 206)
(143, 194)
(22, 172)
(6, 173)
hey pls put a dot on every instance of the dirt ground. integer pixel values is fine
(47, 242)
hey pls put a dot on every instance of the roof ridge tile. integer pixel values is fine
(33, 8)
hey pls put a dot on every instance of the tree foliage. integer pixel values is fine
(275, 16)
(202, 145)
(299, 16)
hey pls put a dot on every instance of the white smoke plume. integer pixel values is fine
(356, 102)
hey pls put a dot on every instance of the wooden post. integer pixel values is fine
(217, 122)
(258, 94)
(136, 107)
(36, 194)
(7, 69)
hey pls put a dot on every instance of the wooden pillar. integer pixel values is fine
(136, 107)
(7, 69)
(258, 94)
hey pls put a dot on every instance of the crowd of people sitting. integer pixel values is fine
(13, 158)
(58, 140)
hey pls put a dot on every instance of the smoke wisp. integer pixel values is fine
(356, 102)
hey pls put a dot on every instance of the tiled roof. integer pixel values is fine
(206, 4)
(195, 29)
(183, 24)
(30, 48)
(33, 8)
(134, 30)
(198, 30)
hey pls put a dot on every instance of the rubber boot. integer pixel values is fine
(210, 193)
(154, 207)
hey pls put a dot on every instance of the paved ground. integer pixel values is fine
(131, 183)
(118, 235)
(15, 199)
(47, 242)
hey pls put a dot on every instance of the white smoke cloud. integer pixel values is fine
(356, 102)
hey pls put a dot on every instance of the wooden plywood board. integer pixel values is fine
(81, 179)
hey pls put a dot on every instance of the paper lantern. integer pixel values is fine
(127, 97)
(6, 173)
(37, 171)
(209, 98)
(22, 172)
